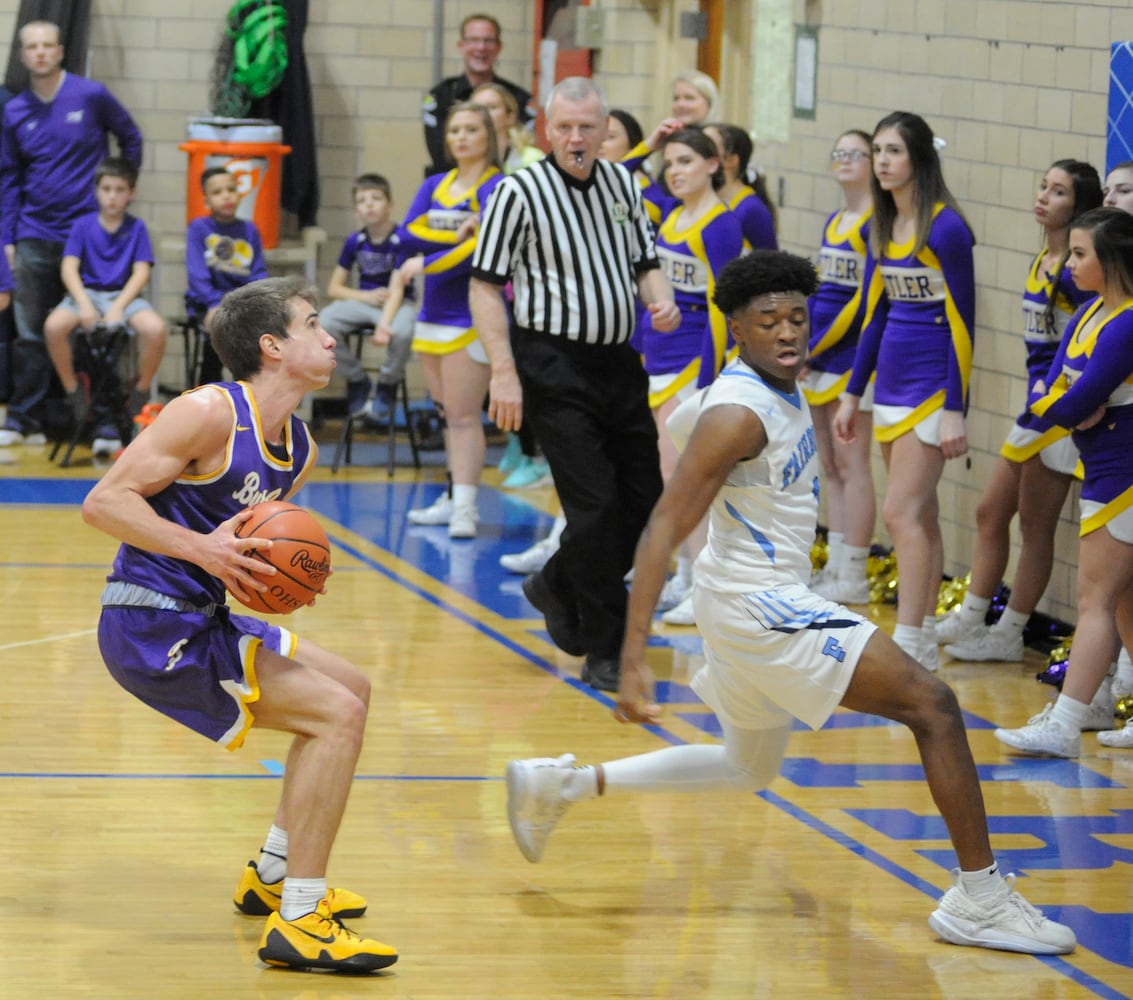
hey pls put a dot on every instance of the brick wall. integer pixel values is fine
(1010, 84)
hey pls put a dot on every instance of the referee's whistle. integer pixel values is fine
(578, 158)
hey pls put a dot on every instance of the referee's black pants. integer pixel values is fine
(589, 408)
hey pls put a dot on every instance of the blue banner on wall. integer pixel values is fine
(1119, 121)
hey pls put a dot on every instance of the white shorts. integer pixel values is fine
(659, 383)
(1058, 456)
(439, 339)
(773, 654)
(1120, 526)
(927, 430)
(818, 384)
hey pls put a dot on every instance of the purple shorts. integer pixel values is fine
(198, 669)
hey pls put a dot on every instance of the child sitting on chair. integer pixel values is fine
(376, 251)
(222, 252)
(107, 262)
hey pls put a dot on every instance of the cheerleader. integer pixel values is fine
(441, 225)
(1118, 188)
(743, 191)
(917, 336)
(835, 321)
(1036, 465)
(1091, 393)
(697, 237)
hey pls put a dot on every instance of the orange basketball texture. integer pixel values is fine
(300, 553)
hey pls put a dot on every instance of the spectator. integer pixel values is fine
(107, 264)
(375, 251)
(480, 44)
(222, 252)
(52, 138)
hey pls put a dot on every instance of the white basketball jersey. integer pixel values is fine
(761, 525)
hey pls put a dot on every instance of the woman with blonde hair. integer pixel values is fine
(440, 227)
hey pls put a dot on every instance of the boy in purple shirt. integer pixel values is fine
(54, 135)
(376, 251)
(222, 252)
(107, 262)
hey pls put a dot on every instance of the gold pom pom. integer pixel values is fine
(951, 594)
(819, 552)
(1124, 710)
(881, 571)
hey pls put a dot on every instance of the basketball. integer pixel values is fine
(300, 553)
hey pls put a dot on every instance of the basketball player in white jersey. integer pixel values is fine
(773, 649)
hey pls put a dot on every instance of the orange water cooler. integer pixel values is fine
(251, 150)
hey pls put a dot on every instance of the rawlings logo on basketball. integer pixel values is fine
(299, 551)
(251, 494)
(317, 567)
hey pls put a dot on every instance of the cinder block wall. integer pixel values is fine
(1010, 85)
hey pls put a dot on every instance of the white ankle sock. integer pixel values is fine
(1069, 714)
(300, 896)
(1124, 679)
(981, 883)
(928, 627)
(909, 638)
(1012, 622)
(684, 570)
(581, 783)
(835, 552)
(855, 562)
(272, 865)
(464, 496)
(974, 609)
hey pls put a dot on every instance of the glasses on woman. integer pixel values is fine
(849, 155)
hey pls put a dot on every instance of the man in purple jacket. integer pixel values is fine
(53, 136)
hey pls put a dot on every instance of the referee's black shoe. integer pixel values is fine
(601, 674)
(562, 622)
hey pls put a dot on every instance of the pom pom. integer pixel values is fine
(951, 594)
(881, 571)
(1056, 663)
(1124, 710)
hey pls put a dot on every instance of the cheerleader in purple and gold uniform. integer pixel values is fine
(835, 322)
(747, 198)
(1036, 464)
(1091, 392)
(698, 236)
(917, 337)
(441, 224)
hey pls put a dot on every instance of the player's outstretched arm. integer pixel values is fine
(724, 435)
(190, 435)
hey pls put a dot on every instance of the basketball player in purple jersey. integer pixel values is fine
(175, 499)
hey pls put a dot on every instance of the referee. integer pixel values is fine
(571, 234)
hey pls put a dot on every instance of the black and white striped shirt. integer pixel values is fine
(572, 249)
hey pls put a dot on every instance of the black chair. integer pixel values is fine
(192, 336)
(98, 354)
(344, 448)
